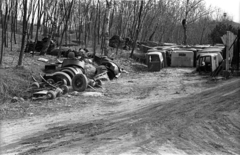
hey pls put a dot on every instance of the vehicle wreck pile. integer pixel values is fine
(207, 59)
(72, 74)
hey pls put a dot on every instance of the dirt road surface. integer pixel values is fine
(172, 112)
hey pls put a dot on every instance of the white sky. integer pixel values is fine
(231, 7)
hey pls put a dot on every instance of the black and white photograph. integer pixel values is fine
(119, 77)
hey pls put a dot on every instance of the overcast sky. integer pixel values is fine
(231, 7)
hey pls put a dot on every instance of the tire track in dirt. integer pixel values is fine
(205, 123)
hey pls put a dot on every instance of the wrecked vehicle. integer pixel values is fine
(154, 61)
(71, 72)
(105, 64)
(47, 89)
(209, 59)
(64, 51)
(44, 46)
(117, 42)
(208, 62)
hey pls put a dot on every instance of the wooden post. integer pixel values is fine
(238, 49)
(227, 50)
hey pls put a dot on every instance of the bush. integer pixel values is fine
(220, 30)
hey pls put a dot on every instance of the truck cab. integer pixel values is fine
(208, 62)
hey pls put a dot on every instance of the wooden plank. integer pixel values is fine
(224, 38)
(238, 50)
(227, 50)
(231, 40)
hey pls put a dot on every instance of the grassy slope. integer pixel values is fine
(14, 81)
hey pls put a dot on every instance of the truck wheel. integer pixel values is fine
(65, 89)
(98, 83)
(51, 94)
(59, 92)
(35, 85)
(51, 81)
(79, 82)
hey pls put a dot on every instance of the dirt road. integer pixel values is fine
(170, 112)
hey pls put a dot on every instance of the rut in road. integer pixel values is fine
(205, 122)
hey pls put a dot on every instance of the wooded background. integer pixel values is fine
(93, 22)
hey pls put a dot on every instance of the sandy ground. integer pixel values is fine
(170, 112)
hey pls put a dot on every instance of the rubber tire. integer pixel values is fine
(65, 89)
(51, 94)
(98, 83)
(35, 85)
(51, 81)
(64, 82)
(79, 82)
(71, 71)
(62, 75)
(59, 92)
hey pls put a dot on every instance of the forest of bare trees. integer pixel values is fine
(93, 22)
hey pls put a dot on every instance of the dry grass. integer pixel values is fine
(16, 81)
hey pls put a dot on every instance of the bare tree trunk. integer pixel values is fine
(119, 28)
(4, 28)
(203, 30)
(2, 45)
(32, 24)
(154, 31)
(12, 24)
(189, 8)
(75, 27)
(65, 26)
(184, 24)
(6, 23)
(80, 30)
(66, 37)
(87, 28)
(102, 34)
(111, 20)
(24, 30)
(95, 31)
(39, 17)
(106, 27)
(80, 23)
(132, 32)
(99, 22)
(12, 29)
(138, 28)
(15, 23)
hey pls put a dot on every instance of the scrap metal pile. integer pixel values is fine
(70, 74)
(118, 42)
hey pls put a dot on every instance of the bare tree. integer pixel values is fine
(138, 28)
(191, 6)
(106, 27)
(95, 29)
(6, 8)
(2, 22)
(24, 31)
(68, 13)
